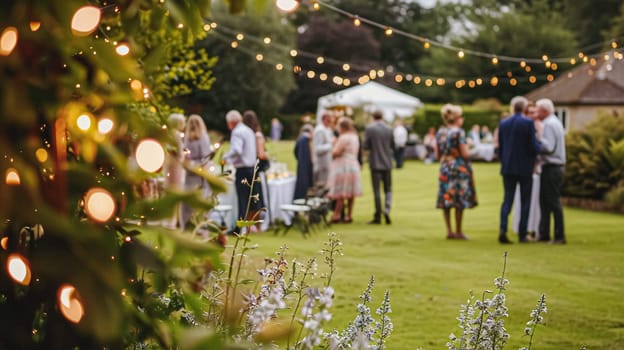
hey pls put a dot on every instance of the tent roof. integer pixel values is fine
(600, 84)
(372, 96)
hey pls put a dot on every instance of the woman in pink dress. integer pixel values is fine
(344, 174)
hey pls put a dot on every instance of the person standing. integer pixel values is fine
(553, 159)
(242, 155)
(198, 152)
(276, 129)
(379, 141)
(456, 182)
(251, 120)
(400, 140)
(344, 181)
(323, 142)
(304, 162)
(174, 171)
(518, 147)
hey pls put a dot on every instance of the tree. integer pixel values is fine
(75, 273)
(339, 40)
(242, 81)
(524, 31)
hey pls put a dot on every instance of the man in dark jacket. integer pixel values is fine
(518, 148)
(304, 162)
(379, 141)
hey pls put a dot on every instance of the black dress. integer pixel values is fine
(304, 166)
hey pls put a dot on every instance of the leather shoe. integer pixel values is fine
(504, 240)
(374, 222)
(387, 217)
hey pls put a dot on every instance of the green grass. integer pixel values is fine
(430, 277)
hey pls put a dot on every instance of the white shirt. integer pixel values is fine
(400, 136)
(243, 152)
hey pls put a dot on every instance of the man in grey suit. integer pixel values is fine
(379, 141)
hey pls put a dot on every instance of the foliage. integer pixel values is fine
(337, 39)
(595, 163)
(519, 31)
(430, 117)
(243, 82)
(117, 274)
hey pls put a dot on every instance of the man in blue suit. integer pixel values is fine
(518, 148)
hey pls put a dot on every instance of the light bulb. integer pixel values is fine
(150, 155)
(12, 177)
(105, 126)
(357, 22)
(287, 5)
(83, 122)
(71, 308)
(85, 20)
(34, 26)
(122, 49)
(99, 204)
(41, 154)
(461, 54)
(8, 41)
(494, 60)
(19, 269)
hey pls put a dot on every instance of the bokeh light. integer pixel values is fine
(8, 41)
(71, 308)
(287, 5)
(84, 122)
(12, 177)
(85, 20)
(19, 269)
(99, 204)
(105, 125)
(150, 155)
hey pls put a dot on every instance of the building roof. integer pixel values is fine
(599, 84)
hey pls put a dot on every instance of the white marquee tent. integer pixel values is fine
(371, 97)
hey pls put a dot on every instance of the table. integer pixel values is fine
(483, 151)
(280, 191)
(534, 211)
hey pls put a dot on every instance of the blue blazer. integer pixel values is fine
(517, 145)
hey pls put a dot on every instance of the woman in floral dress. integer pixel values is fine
(344, 180)
(456, 183)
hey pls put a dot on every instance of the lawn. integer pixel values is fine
(429, 277)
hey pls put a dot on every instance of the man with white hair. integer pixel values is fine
(553, 159)
(242, 155)
(518, 148)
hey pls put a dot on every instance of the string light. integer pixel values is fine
(316, 6)
(12, 177)
(293, 53)
(70, 306)
(388, 31)
(41, 154)
(267, 40)
(122, 49)
(19, 269)
(398, 78)
(4, 243)
(494, 60)
(240, 36)
(460, 54)
(85, 20)
(99, 204)
(279, 66)
(426, 45)
(614, 44)
(323, 76)
(428, 82)
(357, 22)
(346, 67)
(320, 60)
(34, 26)
(150, 155)
(311, 74)
(84, 122)
(259, 57)
(105, 125)
(287, 5)
(8, 41)
(572, 61)
(234, 44)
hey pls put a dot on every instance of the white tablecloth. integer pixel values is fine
(534, 211)
(280, 191)
(483, 151)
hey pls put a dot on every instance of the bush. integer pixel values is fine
(430, 116)
(595, 163)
